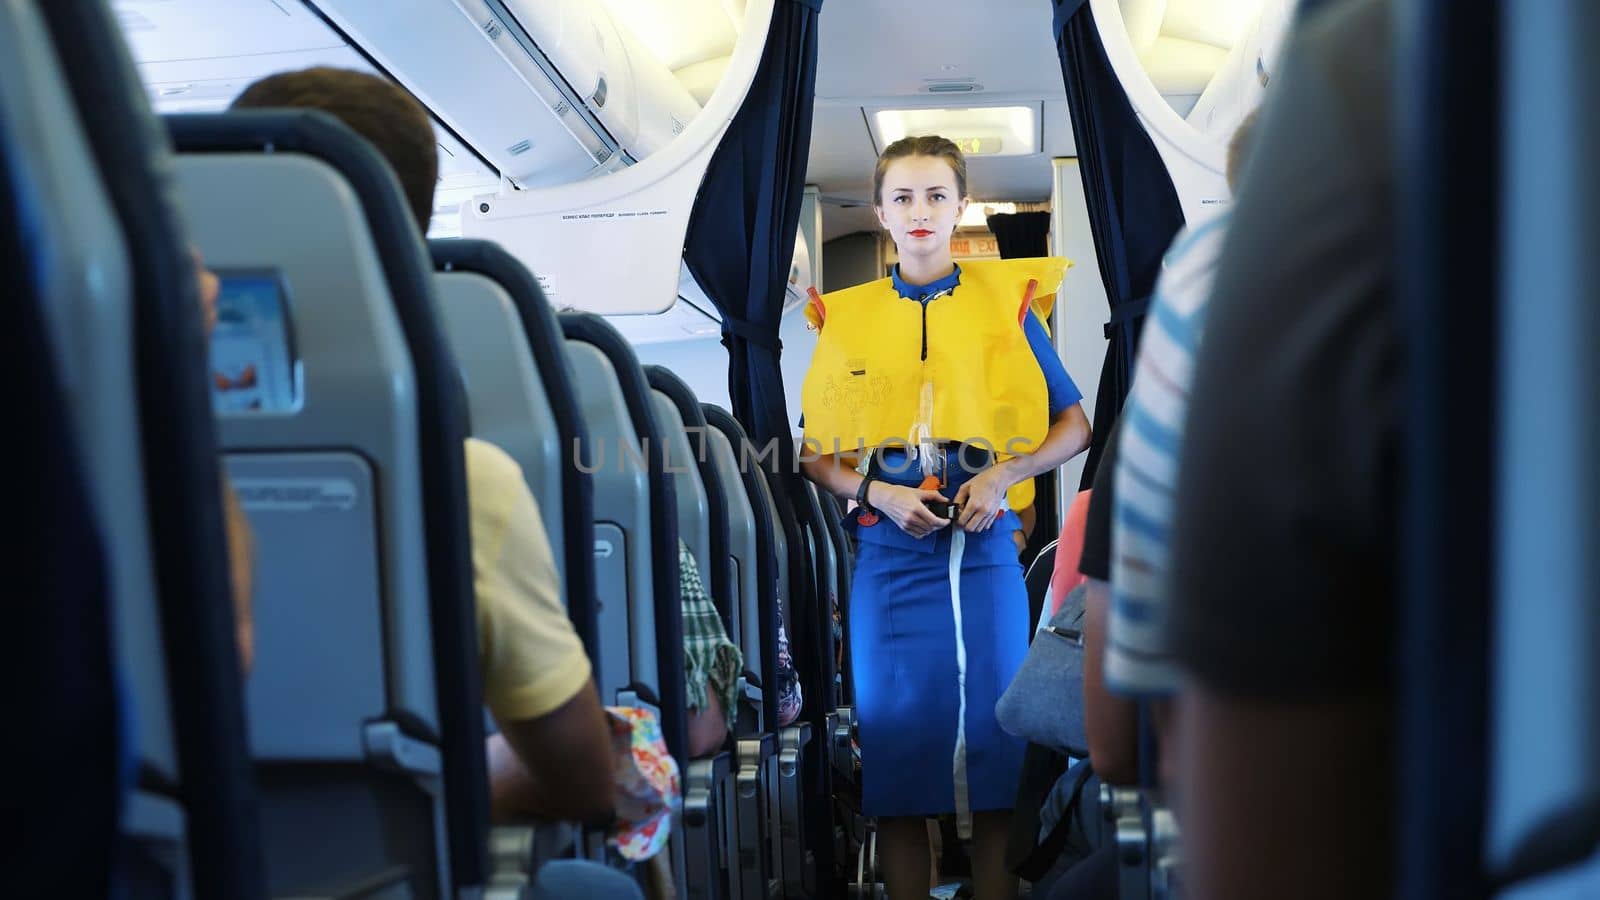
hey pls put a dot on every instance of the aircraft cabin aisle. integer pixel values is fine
(410, 412)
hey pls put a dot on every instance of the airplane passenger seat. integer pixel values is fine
(789, 808)
(89, 638)
(842, 735)
(346, 445)
(520, 394)
(122, 322)
(708, 781)
(636, 534)
(755, 629)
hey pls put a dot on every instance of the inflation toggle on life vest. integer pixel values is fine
(876, 350)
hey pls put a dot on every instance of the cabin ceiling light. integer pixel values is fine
(978, 131)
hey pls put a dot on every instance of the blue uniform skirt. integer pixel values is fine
(925, 694)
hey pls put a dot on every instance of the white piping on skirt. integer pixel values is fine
(958, 546)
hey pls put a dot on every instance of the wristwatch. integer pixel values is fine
(861, 493)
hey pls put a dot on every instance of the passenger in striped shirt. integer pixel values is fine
(1137, 660)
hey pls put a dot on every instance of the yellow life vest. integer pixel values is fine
(875, 349)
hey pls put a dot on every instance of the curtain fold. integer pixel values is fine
(1133, 207)
(742, 229)
(1021, 235)
(739, 247)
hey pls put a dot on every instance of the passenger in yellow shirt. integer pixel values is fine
(552, 757)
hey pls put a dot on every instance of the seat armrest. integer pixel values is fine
(704, 842)
(700, 786)
(517, 852)
(1132, 830)
(754, 751)
(792, 854)
(753, 831)
(841, 738)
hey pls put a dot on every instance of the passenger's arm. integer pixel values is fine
(981, 497)
(556, 766)
(1265, 803)
(552, 759)
(241, 543)
(241, 573)
(1112, 721)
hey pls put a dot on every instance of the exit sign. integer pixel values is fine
(975, 146)
(976, 246)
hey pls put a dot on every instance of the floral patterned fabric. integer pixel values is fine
(648, 784)
(788, 683)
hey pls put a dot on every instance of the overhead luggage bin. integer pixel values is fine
(632, 94)
(473, 73)
(1192, 69)
(591, 240)
(605, 145)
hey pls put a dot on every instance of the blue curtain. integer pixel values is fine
(742, 229)
(1447, 267)
(1133, 208)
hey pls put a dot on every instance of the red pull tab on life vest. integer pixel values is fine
(816, 304)
(1027, 300)
(865, 518)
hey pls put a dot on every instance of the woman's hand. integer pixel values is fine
(904, 507)
(982, 498)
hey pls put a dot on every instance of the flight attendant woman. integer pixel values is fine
(934, 385)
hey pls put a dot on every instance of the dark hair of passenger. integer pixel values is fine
(921, 145)
(1239, 148)
(378, 110)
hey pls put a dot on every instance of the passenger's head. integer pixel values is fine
(919, 191)
(1239, 148)
(378, 110)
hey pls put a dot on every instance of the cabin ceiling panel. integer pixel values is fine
(1023, 179)
(179, 30)
(1058, 138)
(839, 144)
(838, 221)
(897, 47)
